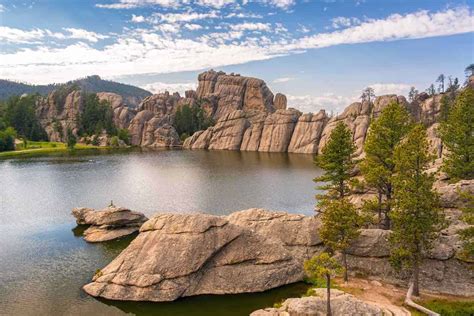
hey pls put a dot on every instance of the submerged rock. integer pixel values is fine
(109, 223)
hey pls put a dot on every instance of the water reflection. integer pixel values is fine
(44, 261)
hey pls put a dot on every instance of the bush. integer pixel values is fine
(71, 139)
(7, 139)
(114, 141)
(123, 134)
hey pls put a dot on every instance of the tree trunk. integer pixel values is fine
(387, 223)
(380, 208)
(416, 272)
(328, 285)
(344, 261)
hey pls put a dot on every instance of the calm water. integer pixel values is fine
(44, 262)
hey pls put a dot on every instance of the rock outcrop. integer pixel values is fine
(178, 255)
(308, 132)
(109, 223)
(341, 304)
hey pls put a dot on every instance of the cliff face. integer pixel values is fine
(269, 127)
(248, 117)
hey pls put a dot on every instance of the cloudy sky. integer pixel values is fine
(320, 53)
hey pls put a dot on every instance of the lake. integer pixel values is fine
(44, 262)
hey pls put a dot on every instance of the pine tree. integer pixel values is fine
(416, 215)
(337, 160)
(378, 167)
(467, 234)
(457, 134)
(323, 266)
(340, 226)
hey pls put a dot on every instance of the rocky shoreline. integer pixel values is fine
(179, 255)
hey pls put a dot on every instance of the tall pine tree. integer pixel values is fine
(378, 167)
(416, 216)
(457, 134)
(337, 161)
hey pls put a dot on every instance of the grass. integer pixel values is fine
(38, 148)
(446, 307)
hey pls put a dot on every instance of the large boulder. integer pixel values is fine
(229, 130)
(341, 304)
(253, 134)
(109, 223)
(178, 255)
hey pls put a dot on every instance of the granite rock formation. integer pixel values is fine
(109, 223)
(178, 255)
(341, 304)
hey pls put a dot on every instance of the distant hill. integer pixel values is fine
(132, 95)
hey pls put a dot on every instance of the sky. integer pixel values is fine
(320, 53)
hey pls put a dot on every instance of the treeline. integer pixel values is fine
(18, 119)
(92, 84)
(396, 163)
(190, 119)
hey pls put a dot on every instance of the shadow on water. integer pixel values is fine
(203, 305)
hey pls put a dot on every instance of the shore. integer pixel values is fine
(38, 148)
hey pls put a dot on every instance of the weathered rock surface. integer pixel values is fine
(178, 255)
(228, 132)
(341, 304)
(109, 223)
(280, 101)
(277, 130)
(307, 133)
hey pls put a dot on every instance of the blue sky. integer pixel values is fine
(320, 53)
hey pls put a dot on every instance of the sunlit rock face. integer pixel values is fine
(178, 255)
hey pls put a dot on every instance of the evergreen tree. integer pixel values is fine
(20, 114)
(323, 266)
(368, 95)
(431, 90)
(412, 94)
(469, 70)
(340, 226)
(416, 215)
(441, 79)
(337, 161)
(467, 234)
(378, 167)
(71, 139)
(457, 134)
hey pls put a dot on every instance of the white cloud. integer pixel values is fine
(13, 35)
(341, 21)
(158, 87)
(192, 26)
(251, 27)
(282, 4)
(182, 17)
(2, 8)
(138, 18)
(328, 101)
(141, 51)
(242, 15)
(218, 4)
(84, 34)
(391, 88)
(284, 79)
(130, 4)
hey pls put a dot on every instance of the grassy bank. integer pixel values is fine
(38, 148)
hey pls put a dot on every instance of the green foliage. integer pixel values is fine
(60, 94)
(449, 308)
(412, 94)
(97, 115)
(340, 224)
(95, 140)
(378, 167)
(114, 141)
(190, 119)
(416, 216)
(71, 139)
(321, 266)
(467, 234)
(124, 134)
(431, 90)
(445, 106)
(7, 139)
(457, 134)
(337, 160)
(20, 114)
